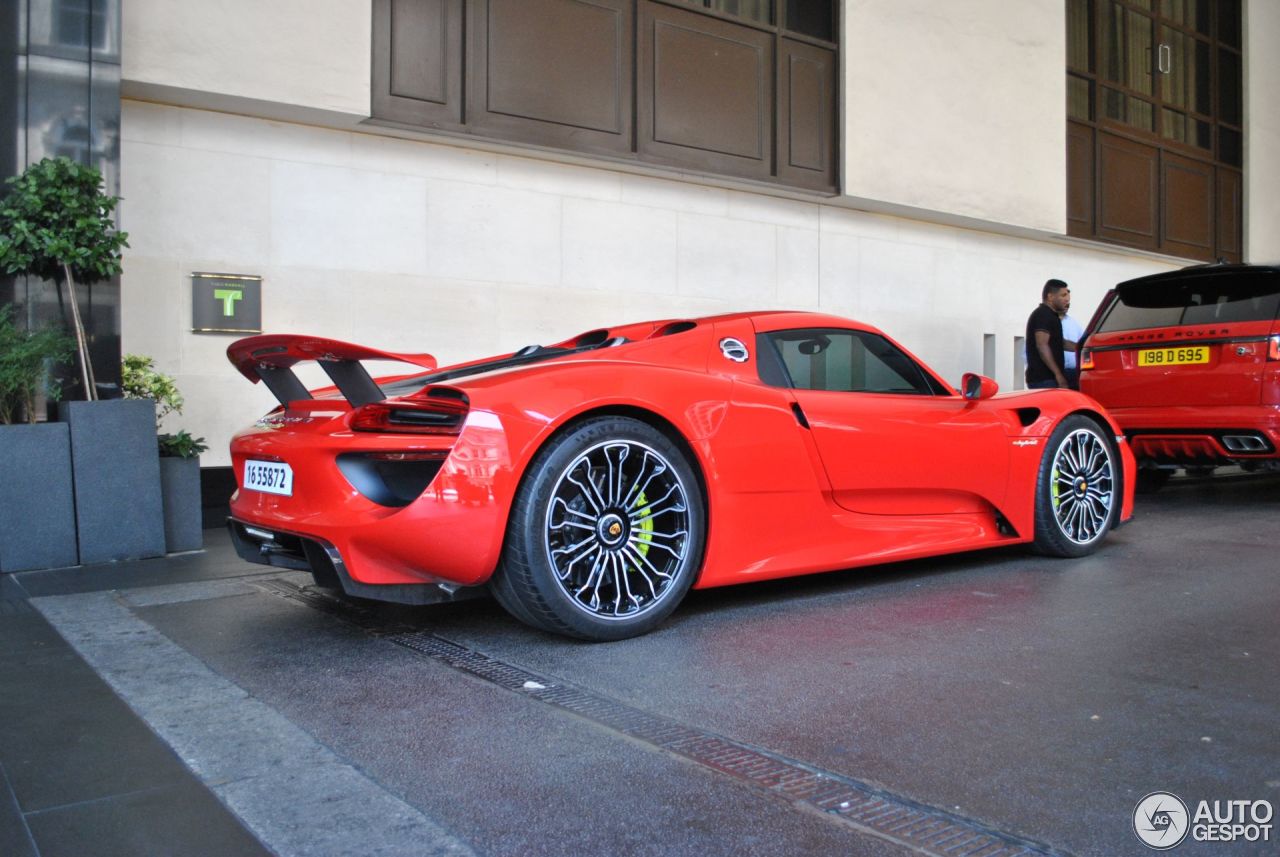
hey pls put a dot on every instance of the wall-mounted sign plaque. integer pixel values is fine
(226, 303)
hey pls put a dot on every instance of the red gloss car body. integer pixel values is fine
(451, 478)
(1213, 396)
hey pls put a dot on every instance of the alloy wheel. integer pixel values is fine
(1083, 486)
(617, 529)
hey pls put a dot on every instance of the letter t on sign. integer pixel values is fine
(228, 298)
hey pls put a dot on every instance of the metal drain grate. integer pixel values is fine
(871, 810)
(923, 828)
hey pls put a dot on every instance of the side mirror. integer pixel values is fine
(976, 386)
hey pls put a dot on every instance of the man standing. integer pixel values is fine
(1044, 338)
(1071, 335)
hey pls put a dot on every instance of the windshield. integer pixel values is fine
(1204, 299)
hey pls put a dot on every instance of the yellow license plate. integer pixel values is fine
(1173, 356)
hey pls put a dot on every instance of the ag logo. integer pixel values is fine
(1160, 820)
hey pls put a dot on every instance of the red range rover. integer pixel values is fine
(1188, 362)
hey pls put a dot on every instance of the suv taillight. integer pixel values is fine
(1273, 348)
(412, 416)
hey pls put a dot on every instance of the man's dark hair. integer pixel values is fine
(1052, 287)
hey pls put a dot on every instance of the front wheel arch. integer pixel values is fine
(655, 421)
(1049, 537)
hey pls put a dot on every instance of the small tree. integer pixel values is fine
(56, 224)
(23, 358)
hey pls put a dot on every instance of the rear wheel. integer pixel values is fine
(606, 532)
(1078, 489)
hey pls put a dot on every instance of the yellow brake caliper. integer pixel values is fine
(645, 535)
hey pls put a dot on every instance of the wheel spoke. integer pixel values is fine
(588, 491)
(596, 577)
(634, 557)
(567, 571)
(618, 470)
(562, 504)
(639, 488)
(659, 534)
(572, 548)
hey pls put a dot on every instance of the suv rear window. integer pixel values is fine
(1206, 299)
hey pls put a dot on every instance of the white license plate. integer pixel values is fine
(271, 477)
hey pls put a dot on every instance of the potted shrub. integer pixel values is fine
(179, 453)
(37, 511)
(56, 223)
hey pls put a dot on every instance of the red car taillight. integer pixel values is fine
(412, 416)
(1273, 349)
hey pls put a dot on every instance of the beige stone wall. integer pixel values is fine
(957, 109)
(420, 246)
(304, 59)
(1262, 131)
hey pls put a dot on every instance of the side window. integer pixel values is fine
(848, 361)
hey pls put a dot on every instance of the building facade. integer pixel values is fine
(467, 177)
(60, 97)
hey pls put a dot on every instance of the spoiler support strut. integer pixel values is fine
(271, 358)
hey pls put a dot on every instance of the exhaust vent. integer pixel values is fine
(1246, 443)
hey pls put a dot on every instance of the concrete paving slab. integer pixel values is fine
(1039, 697)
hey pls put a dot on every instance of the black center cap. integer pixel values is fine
(611, 529)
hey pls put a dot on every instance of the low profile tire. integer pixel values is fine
(1078, 490)
(606, 532)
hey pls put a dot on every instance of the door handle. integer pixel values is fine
(1164, 59)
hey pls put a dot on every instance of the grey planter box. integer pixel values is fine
(37, 511)
(116, 464)
(180, 493)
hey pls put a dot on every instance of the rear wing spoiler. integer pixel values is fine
(270, 359)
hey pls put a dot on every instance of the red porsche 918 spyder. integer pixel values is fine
(589, 484)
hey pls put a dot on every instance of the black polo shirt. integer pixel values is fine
(1044, 318)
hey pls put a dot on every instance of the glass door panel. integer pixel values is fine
(1186, 129)
(1183, 62)
(1079, 100)
(1126, 46)
(1192, 14)
(1079, 35)
(1127, 109)
(1229, 87)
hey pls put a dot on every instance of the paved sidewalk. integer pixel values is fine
(80, 773)
(994, 703)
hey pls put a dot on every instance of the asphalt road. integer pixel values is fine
(1032, 699)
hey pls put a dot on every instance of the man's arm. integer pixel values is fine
(1046, 354)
